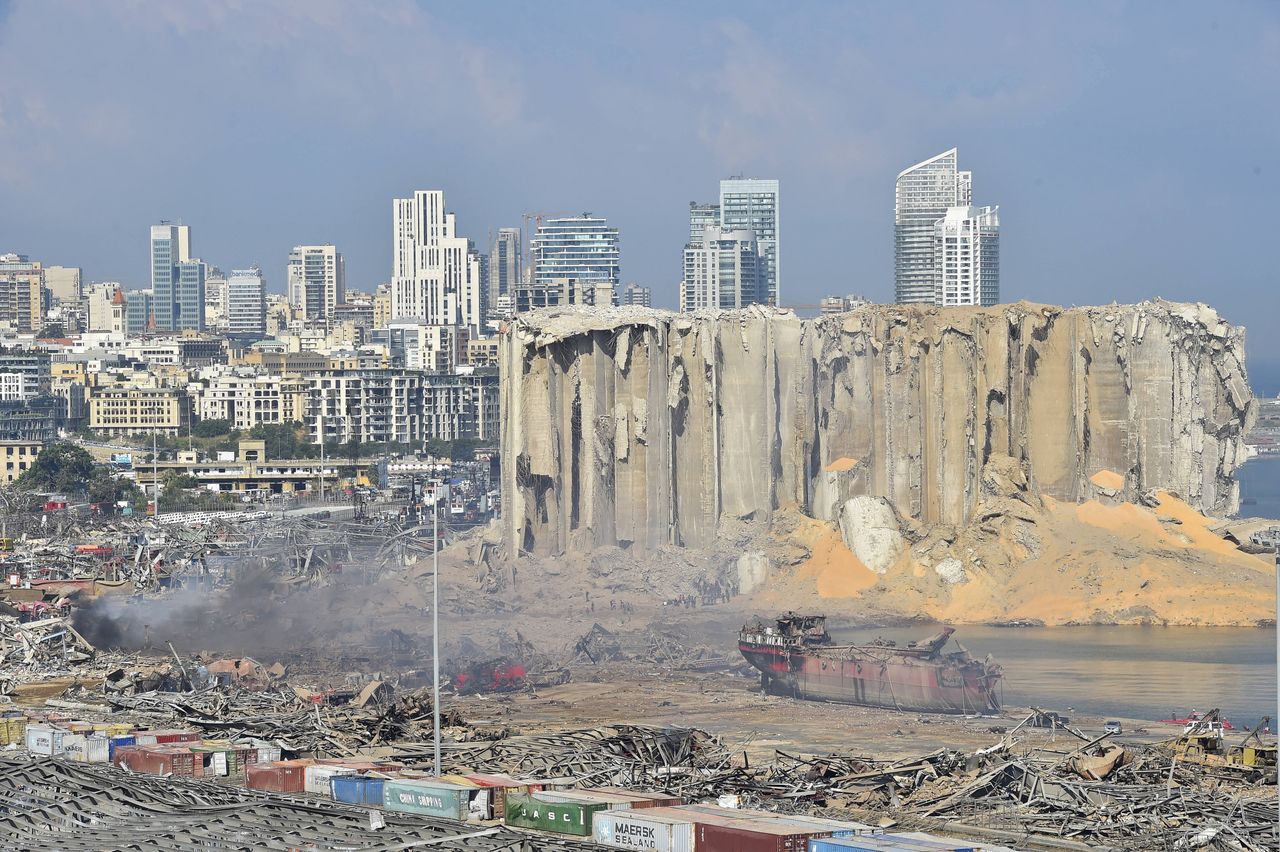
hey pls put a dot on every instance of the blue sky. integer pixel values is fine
(1132, 148)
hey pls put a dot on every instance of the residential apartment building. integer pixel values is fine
(483, 352)
(461, 405)
(701, 217)
(22, 293)
(63, 283)
(753, 204)
(317, 280)
(369, 406)
(135, 410)
(246, 304)
(24, 373)
(582, 250)
(635, 295)
(421, 346)
(17, 456)
(382, 305)
(246, 401)
(724, 271)
(967, 257)
(559, 292)
(435, 274)
(922, 195)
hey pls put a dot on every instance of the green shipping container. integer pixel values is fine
(559, 817)
(429, 798)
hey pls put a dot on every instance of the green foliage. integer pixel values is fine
(212, 429)
(63, 468)
(284, 441)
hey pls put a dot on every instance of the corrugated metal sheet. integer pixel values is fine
(432, 798)
(115, 743)
(559, 817)
(638, 829)
(639, 799)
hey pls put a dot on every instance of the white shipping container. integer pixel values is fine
(45, 739)
(635, 829)
(268, 754)
(316, 778)
(86, 748)
(144, 739)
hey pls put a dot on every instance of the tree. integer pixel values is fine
(62, 467)
(211, 429)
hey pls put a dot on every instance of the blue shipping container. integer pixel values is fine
(357, 790)
(891, 843)
(116, 742)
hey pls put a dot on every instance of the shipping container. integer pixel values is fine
(501, 785)
(268, 754)
(637, 798)
(357, 790)
(430, 798)
(167, 737)
(533, 811)
(316, 778)
(144, 738)
(115, 743)
(44, 739)
(728, 830)
(280, 777)
(86, 749)
(79, 727)
(13, 730)
(158, 760)
(640, 829)
(910, 842)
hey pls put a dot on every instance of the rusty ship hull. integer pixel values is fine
(915, 679)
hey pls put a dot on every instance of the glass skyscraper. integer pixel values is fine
(752, 204)
(923, 194)
(177, 280)
(579, 248)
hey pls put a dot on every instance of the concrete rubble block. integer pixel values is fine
(753, 570)
(870, 528)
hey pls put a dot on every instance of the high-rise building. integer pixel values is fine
(637, 296)
(317, 280)
(177, 279)
(580, 249)
(752, 204)
(504, 265)
(435, 275)
(139, 312)
(63, 283)
(701, 217)
(22, 292)
(967, 256)
(922, 195)
(246, 303)
(725, 270)
(382, 305)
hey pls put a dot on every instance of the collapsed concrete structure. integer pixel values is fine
(641, 427)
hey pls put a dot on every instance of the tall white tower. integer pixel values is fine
(922, 195)
(967, 257)
(435, 277)
(317, 280)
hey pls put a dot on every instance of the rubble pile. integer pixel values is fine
(292, 719)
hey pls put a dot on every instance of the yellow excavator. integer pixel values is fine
(1253, 752)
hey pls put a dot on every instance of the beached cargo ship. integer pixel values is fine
(797, 657)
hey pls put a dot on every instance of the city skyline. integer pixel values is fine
(834, 133)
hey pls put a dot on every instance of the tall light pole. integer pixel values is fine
(155, 472)
(435, 621)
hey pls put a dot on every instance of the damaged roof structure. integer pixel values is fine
(639, 426)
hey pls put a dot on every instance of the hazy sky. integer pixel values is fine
(1132, 148)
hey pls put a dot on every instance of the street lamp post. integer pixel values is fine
(435, 622)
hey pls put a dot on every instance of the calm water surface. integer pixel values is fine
(1260, 488)
(1133, 672)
